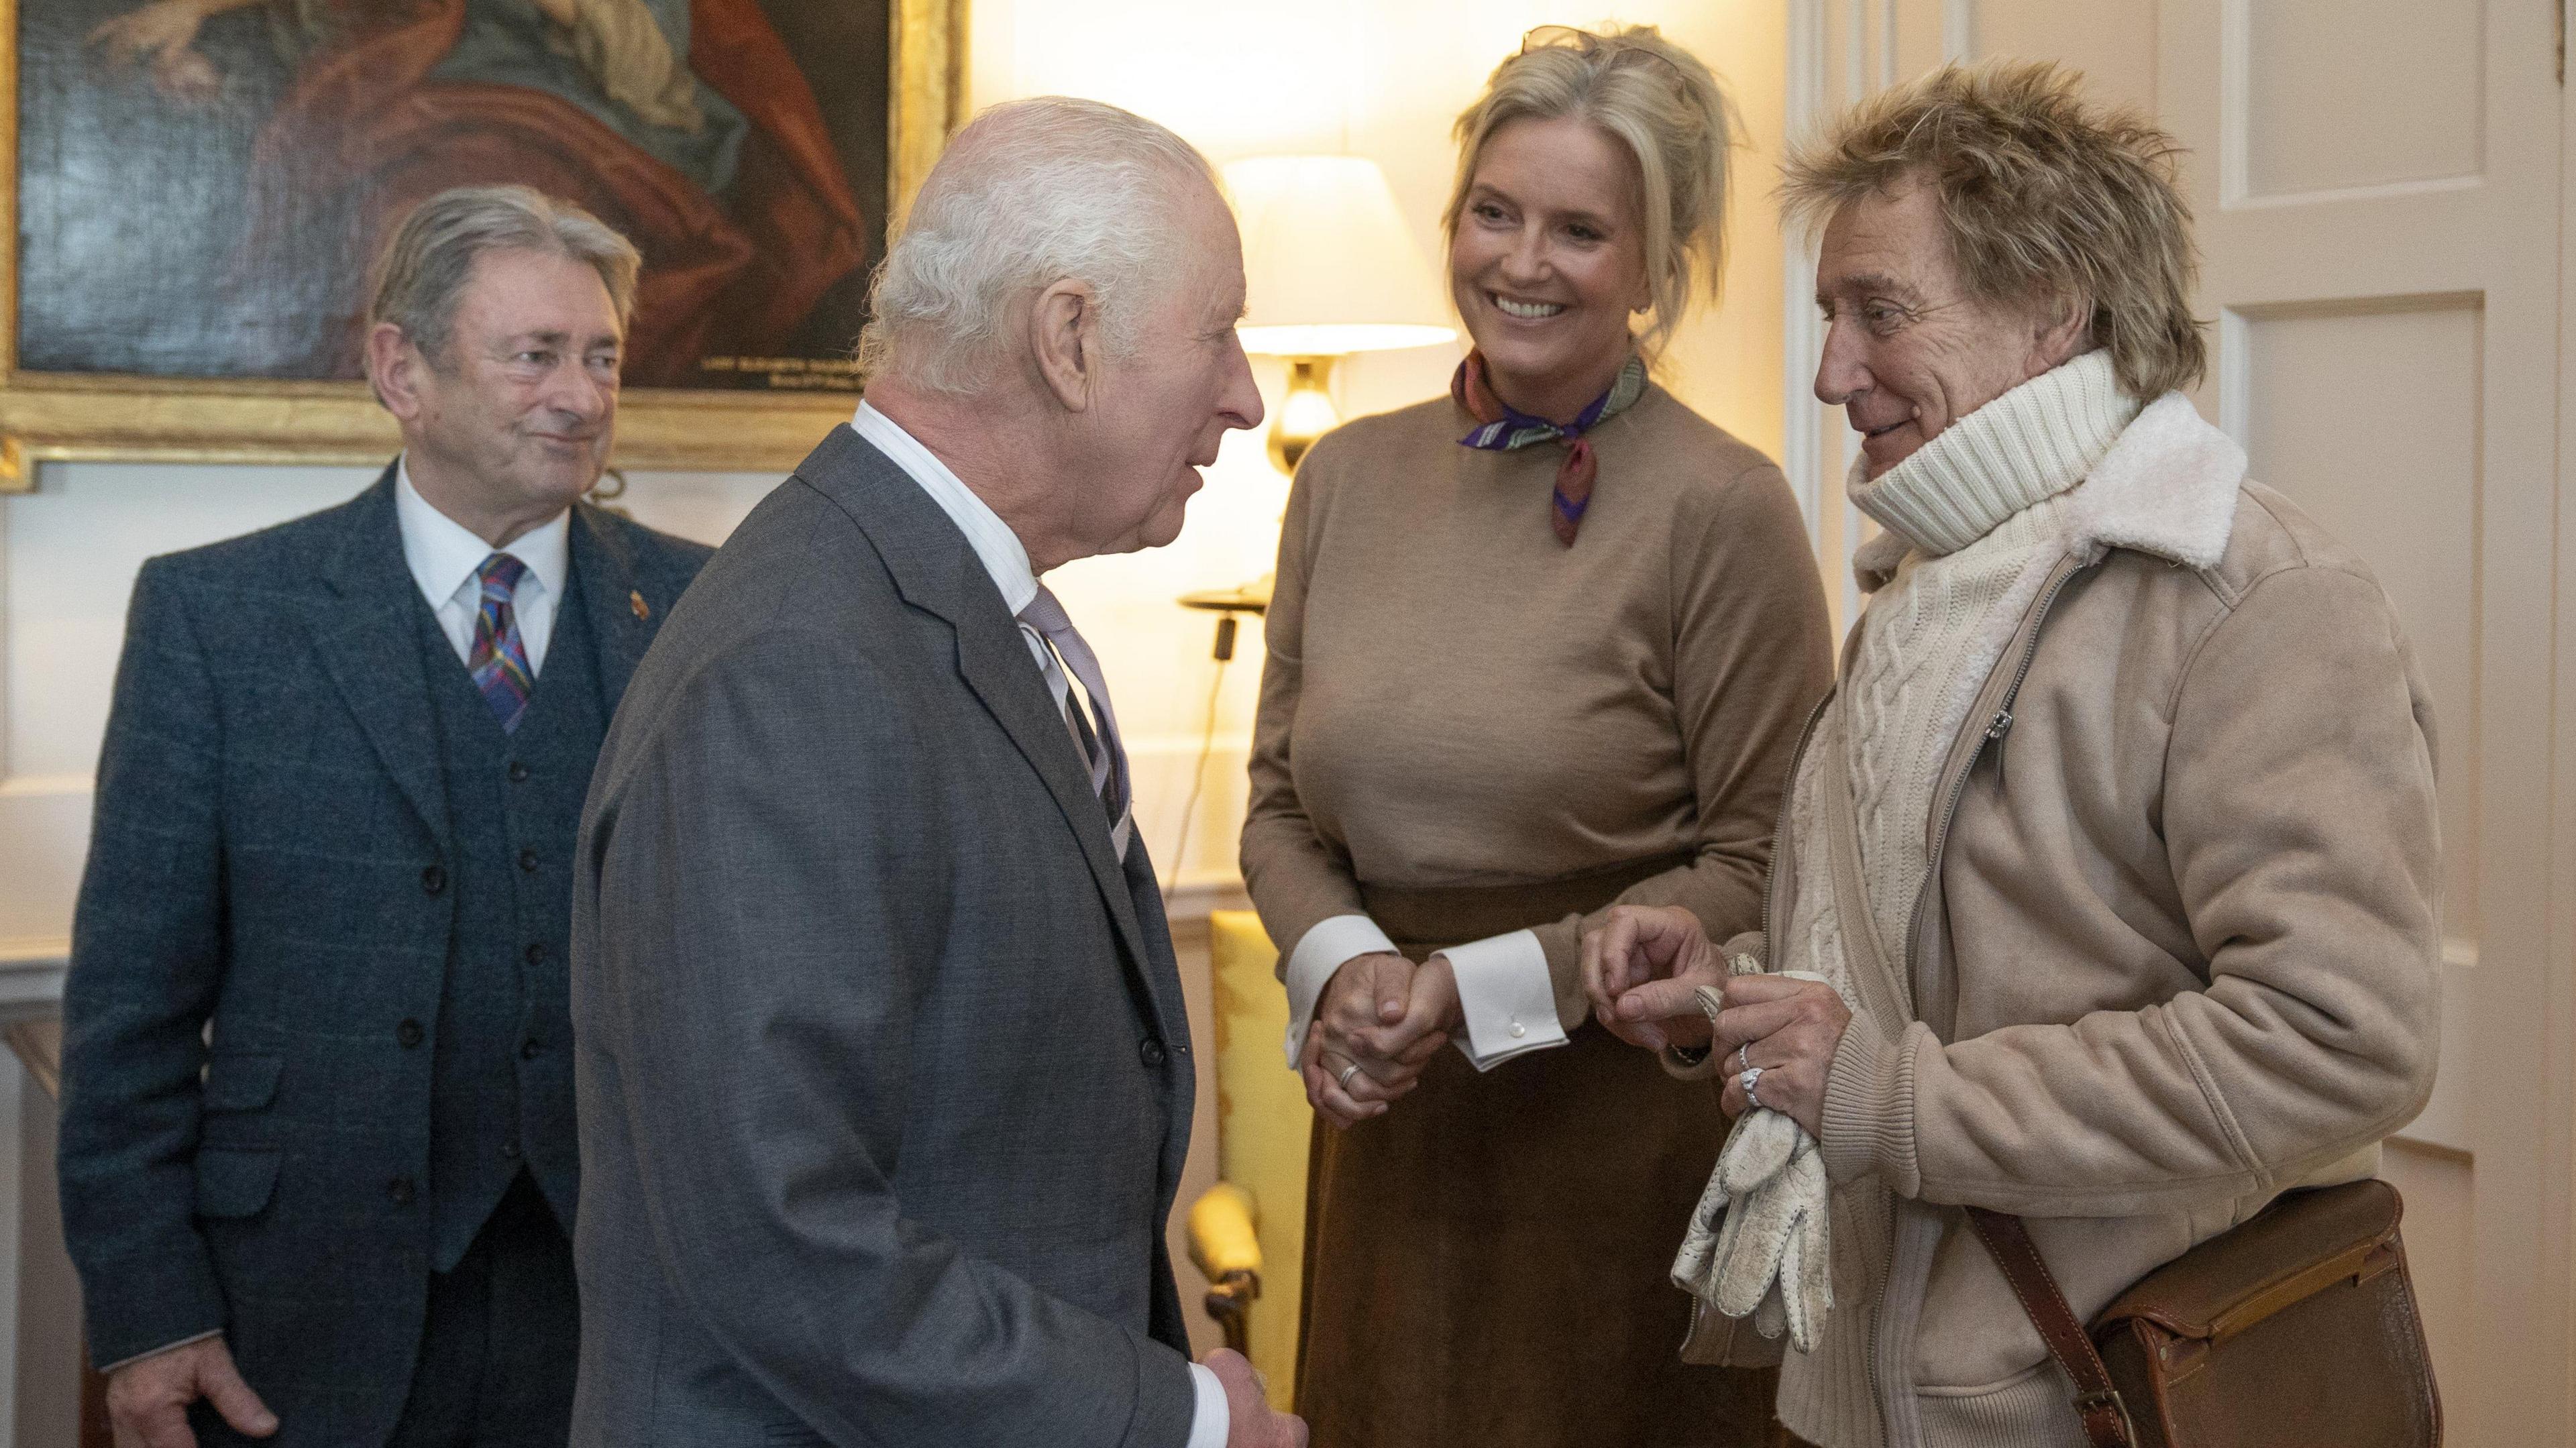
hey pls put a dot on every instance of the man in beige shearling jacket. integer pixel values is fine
(2139, 879)
(2144, 815)
(2178, 949)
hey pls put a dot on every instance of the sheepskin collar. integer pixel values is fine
(2166, 487)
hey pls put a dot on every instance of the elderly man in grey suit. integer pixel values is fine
(318, 1153)
(884, 1076)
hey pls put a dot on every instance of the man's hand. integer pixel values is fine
(148, 1398)
(1789, 1028)
(1255, 1423)
(1642, 966)
(1378, 1022)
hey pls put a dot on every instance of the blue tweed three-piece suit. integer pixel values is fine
(316, 1021)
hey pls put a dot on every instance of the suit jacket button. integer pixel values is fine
(529, 1049)
(1152, 1051)
(409, 1034)
(433, 880)
(400, 1191)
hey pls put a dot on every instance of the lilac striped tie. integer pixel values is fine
(1100, 749)
(499, 662)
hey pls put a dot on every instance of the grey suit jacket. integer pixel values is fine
(883, 1072)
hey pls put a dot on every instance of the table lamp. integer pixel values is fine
(1332, 270)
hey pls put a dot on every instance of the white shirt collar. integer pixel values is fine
(444, 553)
(995, 545)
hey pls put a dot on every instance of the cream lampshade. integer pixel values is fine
(1332, 270)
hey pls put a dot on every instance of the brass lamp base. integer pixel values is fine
(1306, 413)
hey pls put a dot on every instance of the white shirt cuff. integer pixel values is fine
(1507, 997)
(1332, 942)
(1214, 1421)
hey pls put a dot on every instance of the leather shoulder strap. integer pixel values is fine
(2097, 1402)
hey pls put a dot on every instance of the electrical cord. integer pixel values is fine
(1224, 654)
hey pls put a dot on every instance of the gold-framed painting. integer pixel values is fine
(196, 188)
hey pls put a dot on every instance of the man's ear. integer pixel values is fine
(1064, 341)
(2060, 330)
(393, 369)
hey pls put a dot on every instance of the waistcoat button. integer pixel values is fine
(400, 1191)
(537, 954)
(409, 1034)
(1152, 1051)
(518, 772)
(528, 861)
(433, 880)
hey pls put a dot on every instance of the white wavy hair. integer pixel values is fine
(1033, 192)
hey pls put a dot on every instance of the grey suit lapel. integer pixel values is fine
(367, 634)
(621, 624)
(936, 571)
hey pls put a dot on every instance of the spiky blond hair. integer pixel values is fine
(2046, 200)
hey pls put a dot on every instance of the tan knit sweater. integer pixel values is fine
(1453, 697)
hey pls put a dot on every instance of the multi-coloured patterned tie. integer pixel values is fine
(499, 662)
(1100, 748)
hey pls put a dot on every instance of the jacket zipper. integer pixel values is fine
(1998, 725)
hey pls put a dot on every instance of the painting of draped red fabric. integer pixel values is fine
(205, 199)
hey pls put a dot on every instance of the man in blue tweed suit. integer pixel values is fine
(318, 1150)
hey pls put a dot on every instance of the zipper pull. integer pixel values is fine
(1996, 729)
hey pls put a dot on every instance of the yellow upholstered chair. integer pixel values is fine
(1248, 1232)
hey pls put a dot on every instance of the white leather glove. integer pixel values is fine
(1758, 1244)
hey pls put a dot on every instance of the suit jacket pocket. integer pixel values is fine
(242, 1082)
(235, 1181)
(791, 1435)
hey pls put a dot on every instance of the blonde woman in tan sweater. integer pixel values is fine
(1537, 647)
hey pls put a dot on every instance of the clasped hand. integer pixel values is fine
(1643, 968)
(1379, 1021)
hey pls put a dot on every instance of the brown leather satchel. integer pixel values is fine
(2296, 1329)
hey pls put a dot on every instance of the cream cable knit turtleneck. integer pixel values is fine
(1983, 505)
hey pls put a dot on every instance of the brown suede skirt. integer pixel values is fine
(1488, 1265)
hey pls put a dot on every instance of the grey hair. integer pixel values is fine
(422, 270)
(1031, 193)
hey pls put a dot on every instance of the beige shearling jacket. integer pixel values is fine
(2178, 950)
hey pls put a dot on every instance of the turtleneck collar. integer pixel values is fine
(2025, 447)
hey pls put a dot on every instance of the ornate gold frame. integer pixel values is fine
(82, 417)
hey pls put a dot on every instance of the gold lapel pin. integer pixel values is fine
(635, 601)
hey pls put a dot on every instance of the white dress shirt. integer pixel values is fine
(1007, 560)
(445, 557)
(996, 546)
(1504, 990)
